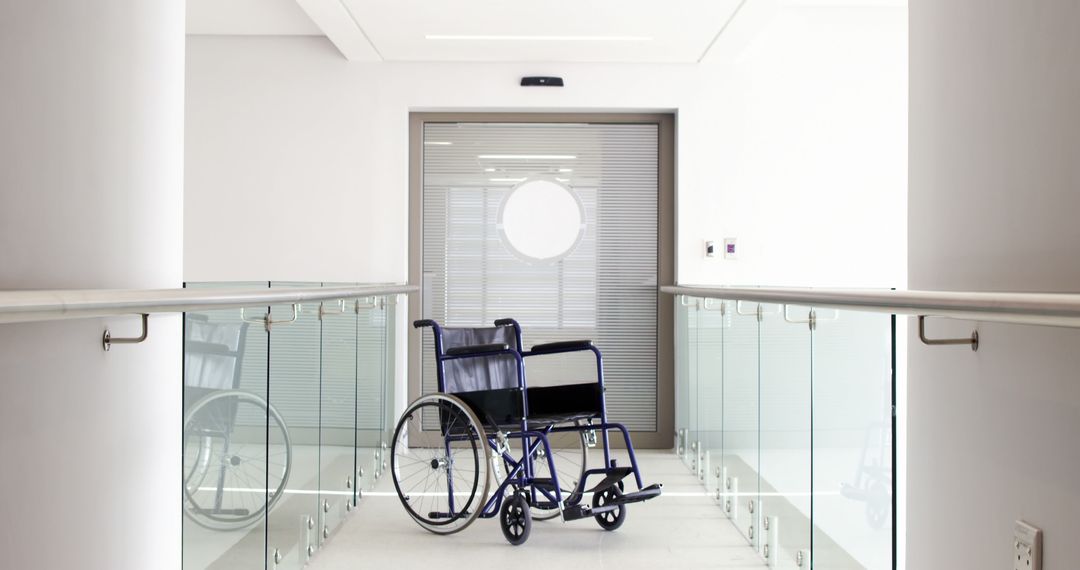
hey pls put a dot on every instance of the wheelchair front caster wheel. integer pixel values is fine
(613, 519)
(515, 520)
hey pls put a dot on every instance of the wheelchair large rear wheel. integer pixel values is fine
(228, 460)
(439, 463)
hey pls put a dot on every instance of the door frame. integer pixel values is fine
(663, 437)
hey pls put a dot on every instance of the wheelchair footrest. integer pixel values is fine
(650, 492)
(611, 479)
(585, 511)
(444, 515)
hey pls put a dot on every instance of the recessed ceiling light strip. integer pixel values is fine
(504, 38)
(527, 156)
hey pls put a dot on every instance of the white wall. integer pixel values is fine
(995, 129)
(297, 161)
(91, 165)
(800, 153)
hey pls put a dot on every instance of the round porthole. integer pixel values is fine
(541, 220)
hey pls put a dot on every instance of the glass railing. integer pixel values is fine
(285, 425)
(785, 414)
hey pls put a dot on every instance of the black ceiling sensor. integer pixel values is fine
(541, 82)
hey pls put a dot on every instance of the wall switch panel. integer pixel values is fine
(729, 248)
(1027, 547)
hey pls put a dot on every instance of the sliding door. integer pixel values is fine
(558, 224)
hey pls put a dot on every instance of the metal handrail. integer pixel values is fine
(31, 306)
(1051, 309)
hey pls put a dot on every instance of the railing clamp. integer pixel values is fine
(339, 310)
(973, 340)
(366, 303)
(107, 340)
(267, 321)
(709, 307)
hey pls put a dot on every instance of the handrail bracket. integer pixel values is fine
(107, 339)
(973, 340)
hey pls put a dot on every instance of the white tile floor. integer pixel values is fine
(683, 529)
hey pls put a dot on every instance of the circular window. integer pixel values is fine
(541, 220)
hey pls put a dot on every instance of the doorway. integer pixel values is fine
(564, 222)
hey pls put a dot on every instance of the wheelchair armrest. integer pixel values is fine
(562, 346)
(477, 349)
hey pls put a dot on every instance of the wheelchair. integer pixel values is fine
(237, 451)
(449, 445)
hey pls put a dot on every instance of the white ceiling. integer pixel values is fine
(670, 31)
(249, 17)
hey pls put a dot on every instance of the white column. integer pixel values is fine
(994, 200)
(91, 195)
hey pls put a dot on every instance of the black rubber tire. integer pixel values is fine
(515, 519)
(878, 505)
(610, 520)
(473, 464)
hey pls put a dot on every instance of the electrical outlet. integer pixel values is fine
(1027, 547)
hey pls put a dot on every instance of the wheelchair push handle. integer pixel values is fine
(423, 323)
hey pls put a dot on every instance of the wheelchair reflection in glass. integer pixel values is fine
(873, 482)
(237, 453)
(447, 444)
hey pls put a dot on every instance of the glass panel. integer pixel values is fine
(691, 448)
(682, 393)
(740, 418)
(789, 426)
(852, 459)
(389, 353)
(224, 435)
(295, 354)
(281, 423)
(371, 389)
(785, 433)
(338, 401)
(713, 319)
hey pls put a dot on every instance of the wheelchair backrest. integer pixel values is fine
(213, 352)
(486, 373)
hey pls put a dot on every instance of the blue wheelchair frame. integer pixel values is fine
(521, 472)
